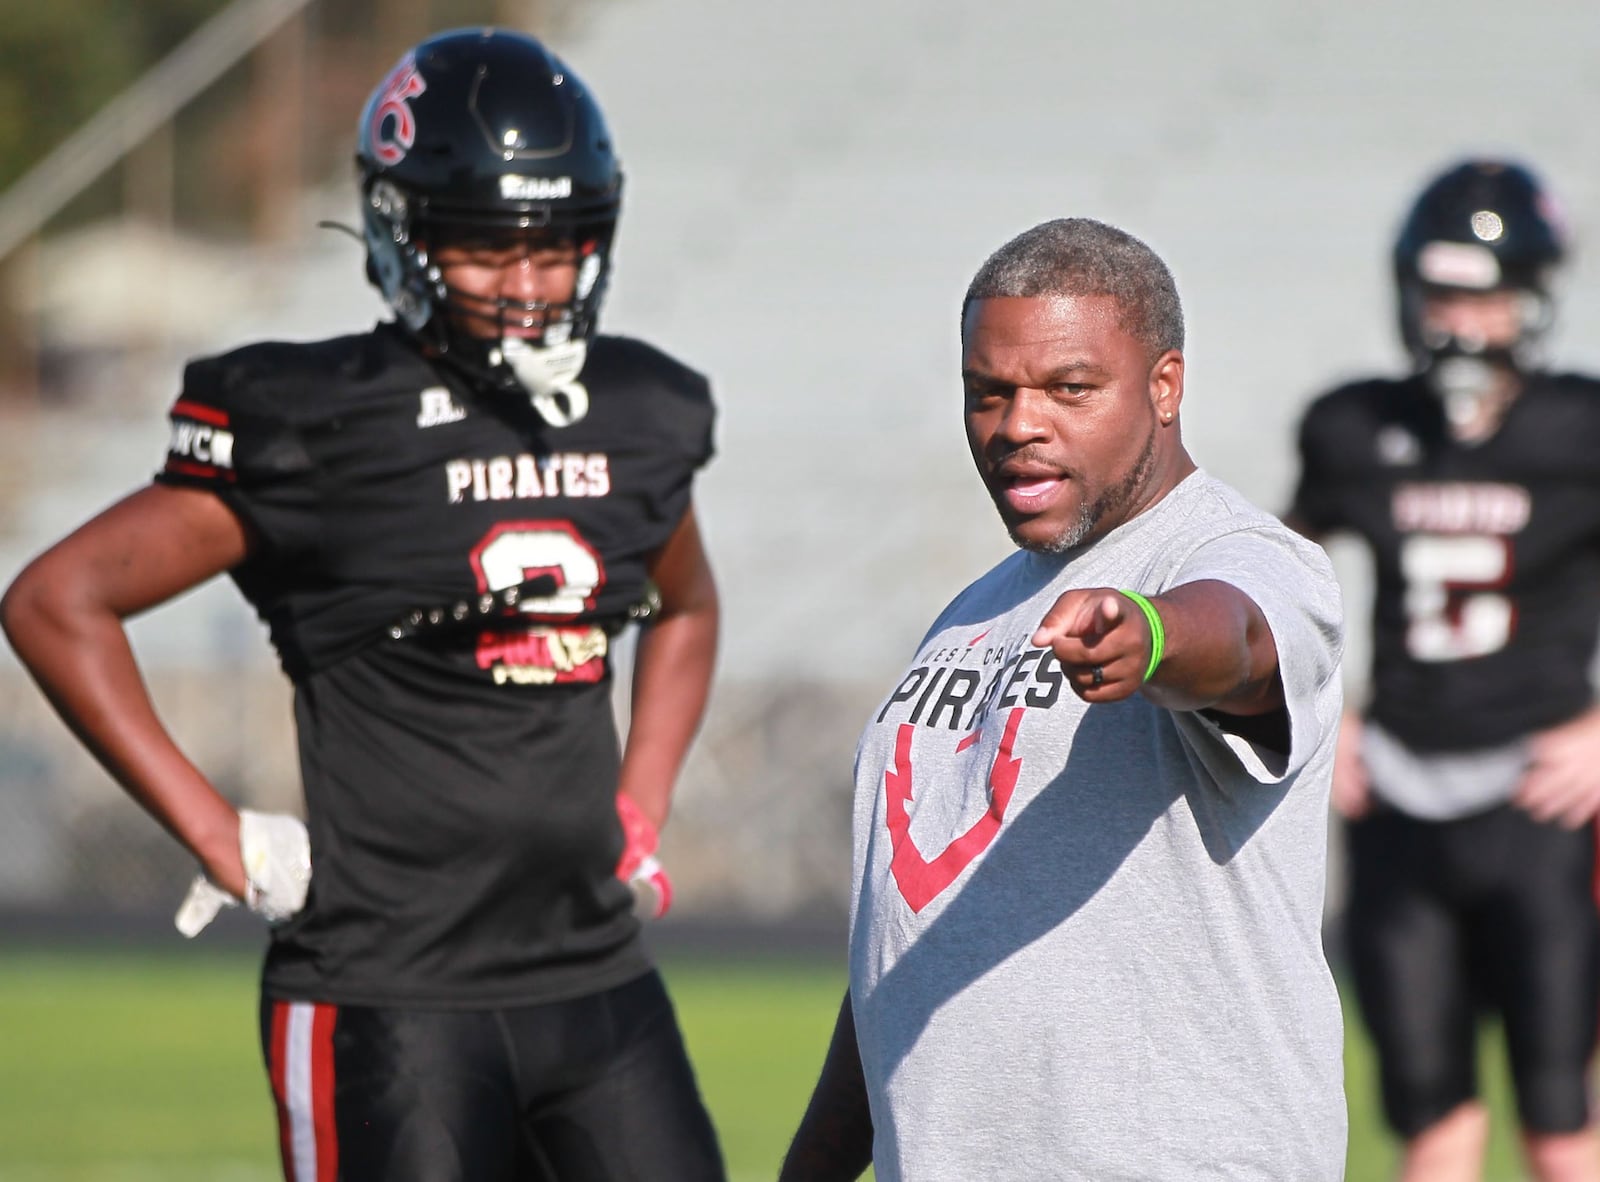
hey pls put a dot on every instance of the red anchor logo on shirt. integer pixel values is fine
(921, 879)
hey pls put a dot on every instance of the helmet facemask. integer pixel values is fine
(1473, 375)
(535, 347)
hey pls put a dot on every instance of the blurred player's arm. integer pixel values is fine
(1303, 527)
(1352, 789)
(834, 1141)
(1562, 783)
(672, 672)
(63, 615)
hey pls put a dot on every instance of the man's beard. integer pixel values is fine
(1090, 513)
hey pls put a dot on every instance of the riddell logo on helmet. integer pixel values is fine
(535, 188)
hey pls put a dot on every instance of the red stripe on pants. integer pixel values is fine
(322, 1092)
(301, 1070)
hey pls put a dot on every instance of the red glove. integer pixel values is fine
(639, 868)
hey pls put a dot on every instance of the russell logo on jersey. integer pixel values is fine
(438, 408)
(1398, 447)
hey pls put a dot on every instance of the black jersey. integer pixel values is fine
(1487, 556)
(460, 783)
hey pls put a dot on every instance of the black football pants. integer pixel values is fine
(596, 1089)
(1448, 919)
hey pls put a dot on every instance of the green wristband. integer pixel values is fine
(1158, 634)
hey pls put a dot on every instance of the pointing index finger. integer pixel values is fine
(1097, 615)
(1111, 610)
(1079, 615)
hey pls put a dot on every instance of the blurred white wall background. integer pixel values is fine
(810, 187)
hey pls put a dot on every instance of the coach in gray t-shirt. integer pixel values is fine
(1090, 818)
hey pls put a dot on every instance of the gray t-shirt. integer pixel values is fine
(1086, 941)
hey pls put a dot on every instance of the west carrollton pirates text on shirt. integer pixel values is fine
(1119, 904)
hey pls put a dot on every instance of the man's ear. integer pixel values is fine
(1166, 385)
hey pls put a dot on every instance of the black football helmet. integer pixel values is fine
(1482, 225)
(476, 130)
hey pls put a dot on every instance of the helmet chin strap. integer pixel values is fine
(549, 373)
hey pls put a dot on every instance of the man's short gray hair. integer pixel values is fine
(1083, 257)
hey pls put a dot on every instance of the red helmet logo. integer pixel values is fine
(390, 108)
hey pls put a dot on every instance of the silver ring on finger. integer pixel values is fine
(1097, 676)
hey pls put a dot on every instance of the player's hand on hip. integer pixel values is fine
(274, 865)
(1562, 783)
(1352, 789)
(1101, 640)
(639, 867)
(221, 860)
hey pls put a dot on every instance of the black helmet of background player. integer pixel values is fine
(1481, 226)
(485, 130)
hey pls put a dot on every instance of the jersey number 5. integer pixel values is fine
(1454, 605)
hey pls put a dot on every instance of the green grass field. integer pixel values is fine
(122, 1067)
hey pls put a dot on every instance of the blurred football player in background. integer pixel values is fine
(444, 521)
(1471, 783)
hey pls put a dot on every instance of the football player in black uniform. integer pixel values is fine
(443, 521)
(1472, 782)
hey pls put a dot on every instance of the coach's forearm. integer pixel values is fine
(1219, 652)
(834, 1141)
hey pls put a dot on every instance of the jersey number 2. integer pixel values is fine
(516, 551)
(1454, 603)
